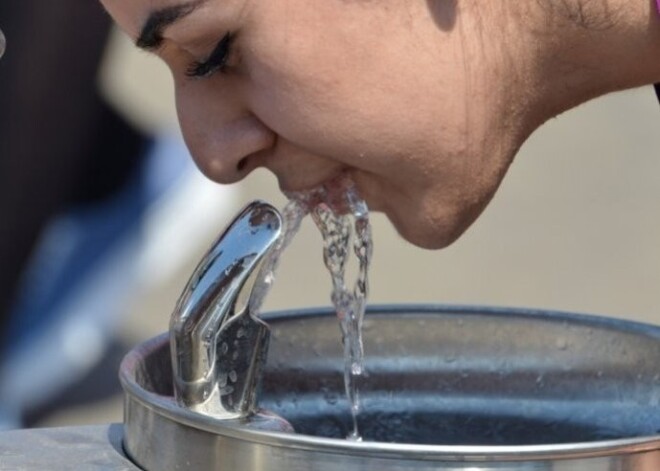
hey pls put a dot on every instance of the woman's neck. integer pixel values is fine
(576, 50)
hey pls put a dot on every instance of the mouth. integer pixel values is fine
(338, 192)
(311, 181)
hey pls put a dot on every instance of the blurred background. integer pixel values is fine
(104, 217)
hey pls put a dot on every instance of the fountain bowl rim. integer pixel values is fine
(167, 407)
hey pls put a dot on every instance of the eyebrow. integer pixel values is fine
(151, 36)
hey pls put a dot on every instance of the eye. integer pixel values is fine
(216, 62)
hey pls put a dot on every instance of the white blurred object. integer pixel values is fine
(137, 84)
(182, 213)
(67, 349)
(3, 44)
(185, 218)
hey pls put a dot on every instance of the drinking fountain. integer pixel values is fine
(445, 387)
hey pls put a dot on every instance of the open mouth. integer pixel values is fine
(339, 193)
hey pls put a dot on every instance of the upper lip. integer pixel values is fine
(287, 186)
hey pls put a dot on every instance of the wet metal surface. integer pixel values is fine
(495, 389)
(218, 345)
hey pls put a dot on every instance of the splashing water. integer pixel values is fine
(333, 207)
(336, 209)
(292, 216)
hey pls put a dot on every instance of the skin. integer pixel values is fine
(423, 102)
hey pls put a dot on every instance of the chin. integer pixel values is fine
(427, 239)
(430, 231)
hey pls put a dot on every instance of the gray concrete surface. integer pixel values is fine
(92, 448)
(574, 227)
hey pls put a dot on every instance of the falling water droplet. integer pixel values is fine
(354, 437)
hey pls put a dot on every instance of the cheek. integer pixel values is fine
(342, 87)
(346, 114)
(355, 96)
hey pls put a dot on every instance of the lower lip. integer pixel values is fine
(333, 192)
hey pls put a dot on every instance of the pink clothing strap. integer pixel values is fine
(657, 85)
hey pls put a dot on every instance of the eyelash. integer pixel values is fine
(216, 62)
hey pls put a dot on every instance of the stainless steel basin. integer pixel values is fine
(447, 388)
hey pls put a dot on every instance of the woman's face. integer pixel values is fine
(308, 89)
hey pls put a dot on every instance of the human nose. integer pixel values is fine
(224, 137)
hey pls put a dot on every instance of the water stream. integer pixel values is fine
(338, 211)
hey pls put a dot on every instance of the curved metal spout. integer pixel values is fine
(218, 347)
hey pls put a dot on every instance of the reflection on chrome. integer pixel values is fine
(3, 44)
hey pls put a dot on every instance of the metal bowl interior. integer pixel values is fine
(458, 376)
(453, 376)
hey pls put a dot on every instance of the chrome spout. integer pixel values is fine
(218, 346)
